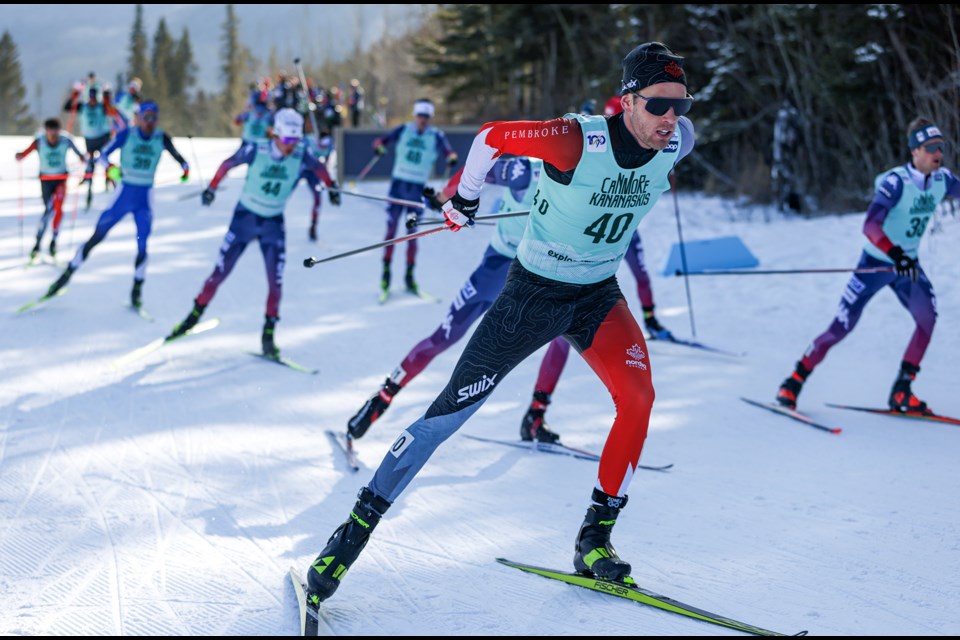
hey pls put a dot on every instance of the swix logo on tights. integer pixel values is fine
(481, 385)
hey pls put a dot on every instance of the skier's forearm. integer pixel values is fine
(33, 147)
(119, 141)
(76, 149)
(873, 227)
(168, 145)
(222, 171)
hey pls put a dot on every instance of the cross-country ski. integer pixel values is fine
(929, 416)
(630, 590)
(155, 345)
(559, 449)
(793, 414)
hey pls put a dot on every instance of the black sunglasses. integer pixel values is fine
(933, 147)
(659, 106)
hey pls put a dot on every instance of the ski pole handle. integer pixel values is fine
(492, 216)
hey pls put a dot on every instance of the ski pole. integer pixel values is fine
(421, 205)
(363, 172)
(73, 217)
(761, 272)
(407, 203)
(20, 167)
(193, 149)
(439, 221)
(478, 219)
(310, 262)
(311, 107)
(683, 254)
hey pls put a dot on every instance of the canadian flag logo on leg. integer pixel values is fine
(637, 356)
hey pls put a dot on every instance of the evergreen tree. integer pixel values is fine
(532, 60)
(235, 66)
(160, 63)
(203, 112)
(273, 62)
(15, 118)
(182, 73)
(181, 76)
(857, 74)
(138, 64)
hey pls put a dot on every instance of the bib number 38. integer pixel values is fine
(918, 224)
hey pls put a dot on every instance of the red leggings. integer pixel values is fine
(619, 357)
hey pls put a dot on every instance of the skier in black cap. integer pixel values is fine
(600, 178)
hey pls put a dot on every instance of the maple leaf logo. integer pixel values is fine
(637, 356)
(674, 69)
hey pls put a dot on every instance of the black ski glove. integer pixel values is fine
(904, 265)
(431, 197)
(459, 212)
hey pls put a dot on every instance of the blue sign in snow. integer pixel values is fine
(727, 252)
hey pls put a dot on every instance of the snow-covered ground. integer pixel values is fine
(172, 496)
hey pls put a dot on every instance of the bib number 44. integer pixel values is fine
(270, 188)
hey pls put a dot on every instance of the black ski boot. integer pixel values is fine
(901, 396)
(189, 322)
(372, 409)
(61, 281)
(136, 297)
(409, 281)
(35, 251)
(790, 389)
(344, 546)
(533, 426)
(313, 232)
(593, 554)
(657, 331)
(270, 349)
(53, 247)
